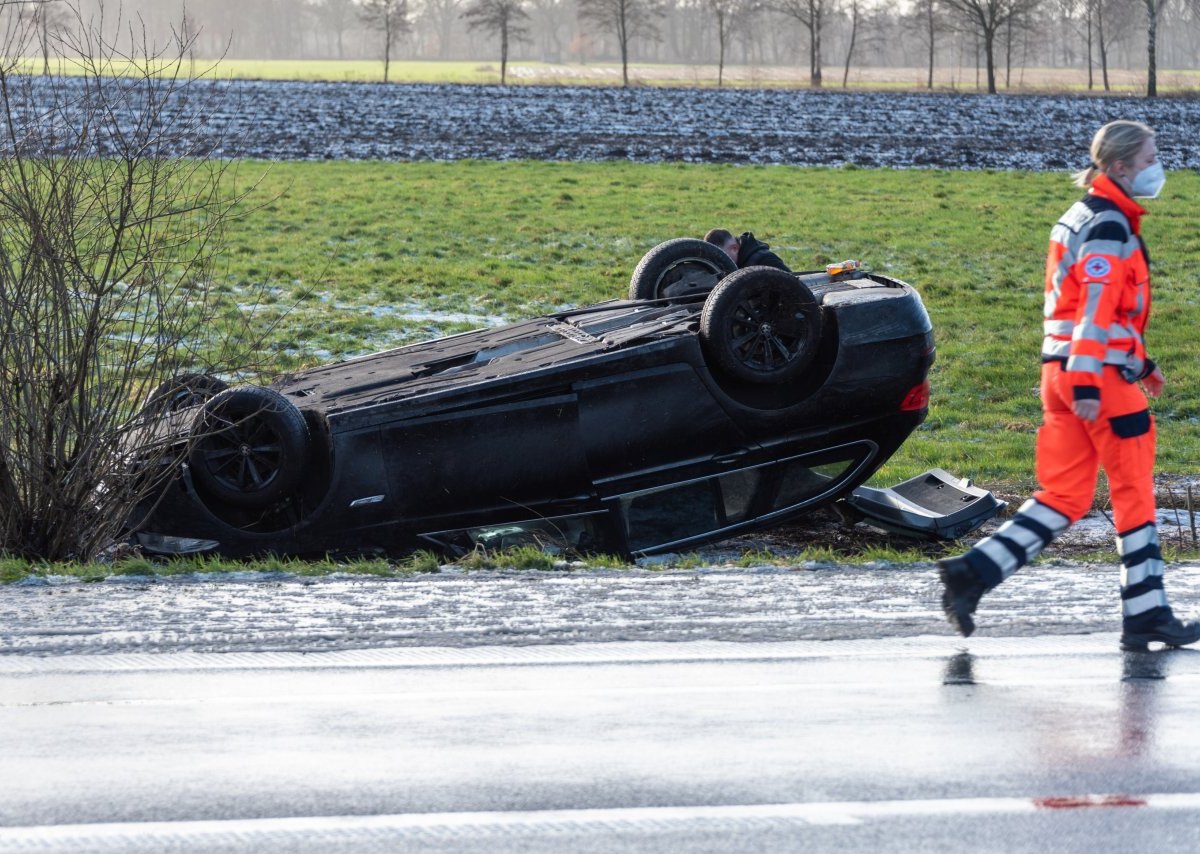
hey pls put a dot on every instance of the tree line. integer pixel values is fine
(995, 38)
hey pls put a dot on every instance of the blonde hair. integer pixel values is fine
(1116, 141)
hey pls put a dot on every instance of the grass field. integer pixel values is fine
(355, 257)
(486, 70)
(365, 256)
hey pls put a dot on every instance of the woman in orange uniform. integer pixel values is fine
(1094, 369)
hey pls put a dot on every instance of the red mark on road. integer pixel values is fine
(1081, 801)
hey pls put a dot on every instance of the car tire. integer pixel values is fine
(182, 391)
(761, 325)
(250, 446)
(679, 268)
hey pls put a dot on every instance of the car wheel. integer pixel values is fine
(761, 325)
(250, 445)
(679, 268)
(182, 391)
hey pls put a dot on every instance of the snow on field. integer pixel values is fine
(354, 121)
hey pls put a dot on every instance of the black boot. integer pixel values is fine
(1172, 632)
(963, 590)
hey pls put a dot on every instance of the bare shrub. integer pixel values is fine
(111, 224)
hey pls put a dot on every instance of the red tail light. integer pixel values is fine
(916, 399)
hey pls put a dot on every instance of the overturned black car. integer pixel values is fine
(711, 402)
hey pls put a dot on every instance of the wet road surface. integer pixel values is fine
(718, 709)
(988, 744)
(257, 613)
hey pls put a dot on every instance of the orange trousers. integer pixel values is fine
(1071, 450)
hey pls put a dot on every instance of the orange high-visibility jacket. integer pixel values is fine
(1098, 290)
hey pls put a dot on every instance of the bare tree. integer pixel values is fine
(112, 221)
(335, 17)
(442, 15)
(504, 18)
(925, 19)
(188, 31)
(555, 22)
(812, 15)
(45, 18)
(389, 17)
(625, 19)
(985, 18)
(1089, 15)
(726, 15)
(854, 22)
(868, 28)
(1103, 39)
(1154, 9)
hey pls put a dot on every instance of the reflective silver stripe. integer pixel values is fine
(1131, 575)
(1023, 537)
(1001, 556)
(1145, 602)
(1139, 539)
(1127, 361)
(1058, 327)
(1112, 248)
(1026, 540)
(1051, 304)
(1090, 332)
(1043, 515)
(1120, 330)
(1056, 349)
(1052, 349)
(1065, 263)
(1095, 291)
(1086, 364)
(1062, 233)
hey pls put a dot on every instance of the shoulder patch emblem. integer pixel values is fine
(1097, 266)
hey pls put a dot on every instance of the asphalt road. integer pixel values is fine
(721, 709)
(926, 743)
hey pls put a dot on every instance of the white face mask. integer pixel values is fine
(1148, 183)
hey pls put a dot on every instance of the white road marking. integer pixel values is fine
(249, 832)
(637, 652)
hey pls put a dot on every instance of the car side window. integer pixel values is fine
(673, 514)
(801, 481)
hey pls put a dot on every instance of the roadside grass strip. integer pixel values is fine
(274, 832)
(336, 259)
(515, 559)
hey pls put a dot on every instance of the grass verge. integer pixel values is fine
(361, 256)
(519, 559)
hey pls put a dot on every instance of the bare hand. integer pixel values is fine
(1154, 383)
(1088, 410)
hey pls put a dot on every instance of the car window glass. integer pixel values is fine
(802, 482)
(562, 534)
(671, 514)
(737, 491)
(660, 517)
